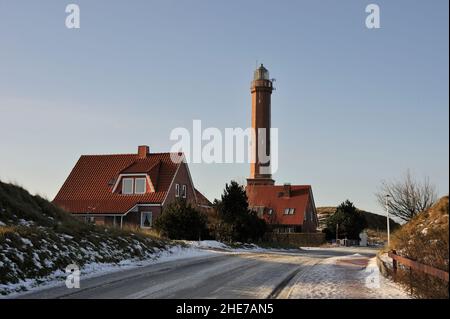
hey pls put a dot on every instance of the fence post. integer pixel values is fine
(410, 280)
(394, 264)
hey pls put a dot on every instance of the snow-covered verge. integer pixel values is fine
(94, 269)
(38, 241)
(33, 255)
(214, 244)
(348, 277)
(93, 265)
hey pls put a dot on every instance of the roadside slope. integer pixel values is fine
(38, 241)
(425, 239)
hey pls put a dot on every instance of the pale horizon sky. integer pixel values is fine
(353, 106)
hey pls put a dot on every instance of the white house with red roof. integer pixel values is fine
(127, 189)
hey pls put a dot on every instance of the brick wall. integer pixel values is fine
(182, 178)
(298, 239)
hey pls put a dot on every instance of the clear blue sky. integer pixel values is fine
(353, 106)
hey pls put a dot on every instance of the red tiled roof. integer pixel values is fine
(89, 186)
(271, 197)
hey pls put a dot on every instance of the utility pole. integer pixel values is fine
(387, 216)
(337, 232)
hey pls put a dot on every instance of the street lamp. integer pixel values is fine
(387, 216)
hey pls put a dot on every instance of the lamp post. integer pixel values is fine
(387, 216)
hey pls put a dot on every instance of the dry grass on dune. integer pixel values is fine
(425, 239)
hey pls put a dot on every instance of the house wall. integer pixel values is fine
(100, 220)
(310, 224)
(297, 239)
(133, 219)
(182, 177)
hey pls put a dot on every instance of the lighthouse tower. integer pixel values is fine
(261, 90)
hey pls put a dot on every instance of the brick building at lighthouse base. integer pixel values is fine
(286, 208)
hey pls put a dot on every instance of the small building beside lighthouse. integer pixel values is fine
(286, 208)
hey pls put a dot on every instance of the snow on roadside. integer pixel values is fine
(237, 248)
(92, 269)
(95, 269)
(208, 244)
(380, 286)
(189, 249)
(333, 279)
(386, 259)
(314, 248)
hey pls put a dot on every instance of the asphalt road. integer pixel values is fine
(221, 275)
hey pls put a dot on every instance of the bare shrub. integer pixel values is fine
(407, 197)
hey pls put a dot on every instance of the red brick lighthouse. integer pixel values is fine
(261, 89)
(287, 208)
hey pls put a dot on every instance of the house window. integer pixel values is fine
(184, 191)
(127, 186)
(260, 212)
(146, 219)
(177, 190)
(139, 186)
(270, 211)
(289, 211)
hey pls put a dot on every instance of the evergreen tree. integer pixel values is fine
(237, 222)
(349, 220)
(180, 220)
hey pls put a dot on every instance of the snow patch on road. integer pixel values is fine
(333, 279)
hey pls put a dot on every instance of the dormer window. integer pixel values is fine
(289, 211)
(139, 185)
(127, 186)
(134, 185)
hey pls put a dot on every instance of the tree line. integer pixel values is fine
(235, 222)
